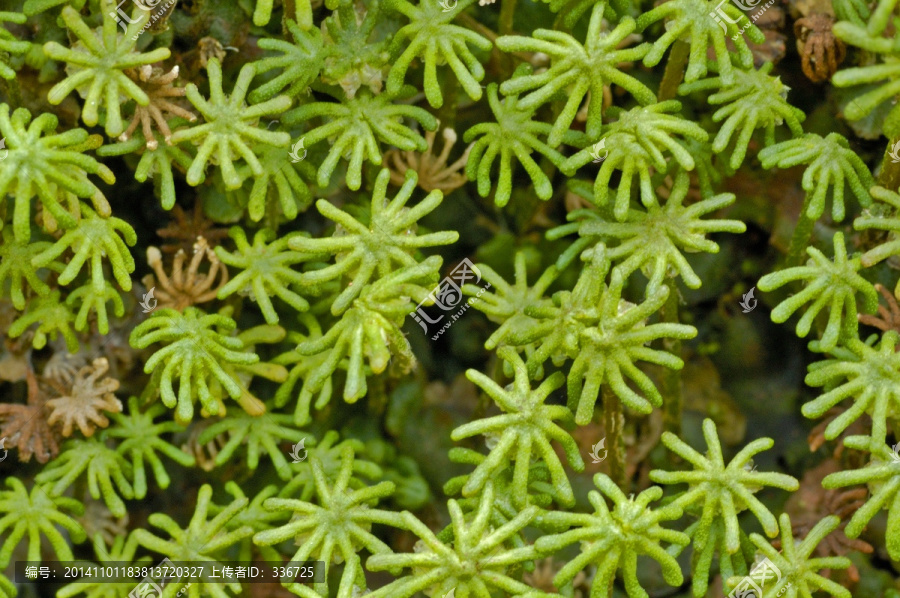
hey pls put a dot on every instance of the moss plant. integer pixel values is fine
(619, 205)
(365, 250)
(17, 271)
(612, 539)
(107, 472)
(230, 125)
(655, 241)
(605, 342)
(431, 36)
(506, 303)
(881, 473)
(99, 62)
(637, 140)
(54, 319)
(35, 513)
(122, 550)
(141, 441)
(203, 539)
(158, 161)
(340, 525)
(360, 124)
(720, 492)
(800, 573)
(754, 100)
(527, 425)
(330, 455)
(301, 60)
(832, 283)
(864, 373)
(689, 21)
(266, 269)
(514, 134)
(195, 351)
(8, 42)
(831, 163)
(884, 75)
(39, 162)
(256, 432)
(472, 563)
(94, 238)
(588, 66)
(886, 223)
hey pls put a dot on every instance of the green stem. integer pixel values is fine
(505, 27)
(377, 396)
(447, 113)
(673, 400)
(507, 10)
(800, 240)
(674, 74)
(889, 177)
(13, 91)
(289, 12)
(614, 426)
